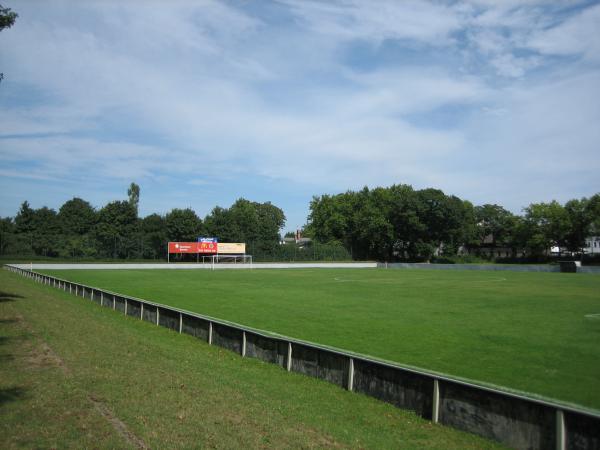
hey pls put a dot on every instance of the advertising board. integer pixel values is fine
(183, 247)
(208, 247)
(231, 248)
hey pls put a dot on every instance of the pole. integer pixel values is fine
(435, 407)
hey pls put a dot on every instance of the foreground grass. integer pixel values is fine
(526, 331)
(79, 376)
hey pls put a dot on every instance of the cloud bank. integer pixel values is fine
(204, 102)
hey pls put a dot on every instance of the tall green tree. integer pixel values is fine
(580, 222)
(219, 224)
(7, 17)
(546, 225)
(76, 217)
(592, 209)
(271, 220)
(116, 228)
(7, 231)
(7, 20)
(183, 225)
(494, 222)
(25, 219)
(153, 229)
(134, 196)
(47, 234)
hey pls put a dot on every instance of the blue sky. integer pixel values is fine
(203, 102)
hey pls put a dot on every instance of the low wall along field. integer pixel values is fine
(514, 419)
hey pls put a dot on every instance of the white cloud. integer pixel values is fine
(376, 21)
(148, 92)
(577, 35)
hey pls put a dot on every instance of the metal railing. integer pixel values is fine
(514, 419)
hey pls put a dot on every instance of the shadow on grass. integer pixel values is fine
(11, 394)
(6, 358)
(8, 297)
(8, 321)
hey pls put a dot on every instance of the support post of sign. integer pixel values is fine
(168, 254)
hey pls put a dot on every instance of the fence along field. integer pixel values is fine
(491, 414)
(525, 331)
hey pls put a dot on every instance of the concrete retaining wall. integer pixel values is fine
(512, 419)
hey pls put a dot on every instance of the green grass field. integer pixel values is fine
(74, 375)
(523, 331)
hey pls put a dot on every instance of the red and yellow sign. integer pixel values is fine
(183, 247)
(207, 247)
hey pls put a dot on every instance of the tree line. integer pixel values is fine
(401, 223)
(78, 230)
(384, 224)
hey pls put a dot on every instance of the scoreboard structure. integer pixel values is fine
(206, 247)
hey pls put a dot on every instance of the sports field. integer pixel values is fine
(533, 332)
(73, 375)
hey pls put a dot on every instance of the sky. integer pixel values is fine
(203, 102)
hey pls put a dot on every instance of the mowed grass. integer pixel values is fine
(74, 375)
(523, 331)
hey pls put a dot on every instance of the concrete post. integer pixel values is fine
(141, 311)
(435, 410)
(157, 315)
(561, 432)
(82, 291)
(243, 344)
(92, 294)
(76, 290)
(125, 306)
(180, 322)
(101, 298)
(70, 288)
(351, 374)
(114, 302)
(209, 333)
(289, 357)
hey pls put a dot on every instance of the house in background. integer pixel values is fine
(592, 245)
